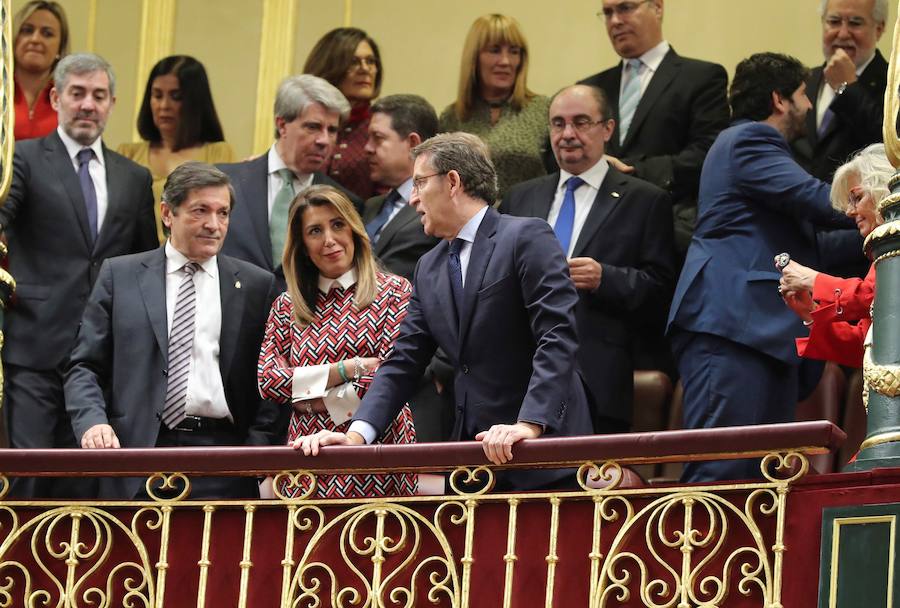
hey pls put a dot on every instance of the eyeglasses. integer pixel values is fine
(855, 197)
(834, 22)
(582, 124)
(418, 182)
(623, 9)
(369, 63)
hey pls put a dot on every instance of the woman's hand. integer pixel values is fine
(796, 277)
(801, 303)
(368, 365)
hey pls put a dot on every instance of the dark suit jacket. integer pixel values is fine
(402, 241)
(858, 116)
(629, 231)
(248, 231)
(117, 374)
(51, 255)
(679, 115)
(514, 349)
(755, 202)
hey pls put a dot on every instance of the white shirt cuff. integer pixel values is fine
(309, 382)
(341, 402)
(363, 428)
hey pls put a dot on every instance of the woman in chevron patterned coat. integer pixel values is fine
(326, 334)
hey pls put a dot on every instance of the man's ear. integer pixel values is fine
(455, 182)
(413, 139)
(166, 213)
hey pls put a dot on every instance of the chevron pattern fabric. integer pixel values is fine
(340, 332)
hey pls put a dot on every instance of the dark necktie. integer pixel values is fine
(456, 277)
(87, 189)
(181, 343)
(565, 221)
(827, 117)
(374, 227)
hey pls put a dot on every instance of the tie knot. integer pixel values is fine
(287, 177)
(573, 183)
(635, 65)
(85, 155)
(456, 246)
(393, 198)
(190, 268)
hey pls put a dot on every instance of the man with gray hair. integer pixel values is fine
(308, 111)
(496, 296)
(847, 91)
(72, 204)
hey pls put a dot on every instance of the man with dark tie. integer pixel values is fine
(494, 295)
(308, 112)
(72, 204)
(148, 369)
(400, 123)
(617, 232)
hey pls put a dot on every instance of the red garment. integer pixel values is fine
(40, 121)
(833, 336)
(339, 332)
(349, 166)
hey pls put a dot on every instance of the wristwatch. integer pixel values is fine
(840, 90)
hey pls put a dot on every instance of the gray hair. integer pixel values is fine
(872, 168)
(193, 175)
(879, 10)
(296, 93)
(596, 92)
(82, 63)
(466, 154)
(409, 114)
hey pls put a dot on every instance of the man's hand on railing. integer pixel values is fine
(498, 440)
(310, 444)
(100, 436)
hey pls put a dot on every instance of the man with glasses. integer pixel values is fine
(617, 232)
(847, 91)
(308, 112)
(495, 295)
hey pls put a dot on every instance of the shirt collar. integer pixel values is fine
(470, 229)
(175, 261)
(654, 56)
(405, 189)
(345, 281)
(593, 177)
(276, 164)
(73, 147)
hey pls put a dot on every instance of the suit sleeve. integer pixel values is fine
(853, 297)
(708, 114)
(550, 297)
(89, 368)
(862, 110)
(18, 190)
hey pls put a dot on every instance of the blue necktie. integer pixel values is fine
(565, 221)
(827, 117)
(373, 228)
(87, 189)
(631, 95)
(456, 277)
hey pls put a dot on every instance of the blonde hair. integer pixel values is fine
(301, 273)
(489, 30)
(871, 166)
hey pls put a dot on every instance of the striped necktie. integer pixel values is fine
(181, 343)
(631, 95)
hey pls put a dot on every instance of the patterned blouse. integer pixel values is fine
(349, 165)
(516, 141)
(339, 332)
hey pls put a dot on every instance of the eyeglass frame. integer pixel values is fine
(855, 196)
(418, 182)
(834, 22)
(363, 62)
(623, 9)
(584, 127)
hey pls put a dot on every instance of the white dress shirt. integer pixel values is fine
(584, 198)
(827, 94)
(275, 182)
(205, 391)
(651, 60)
(96, 168)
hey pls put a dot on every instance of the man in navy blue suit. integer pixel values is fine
(732, 334)
(497, 298)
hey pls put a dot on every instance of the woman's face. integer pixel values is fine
(165, 103)
(498, 66)
(37, 43)
(359, 81)
(328, 240)
(861, 207)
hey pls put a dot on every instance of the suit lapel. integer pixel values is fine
(603, 205)
(58, 160)
(478, 261)
(232, 296)
(543, 197)
(256, 197)
(812, 88)
(612, 93)
(403, 217)
(153, 291)
(668, 69)
(115, 193)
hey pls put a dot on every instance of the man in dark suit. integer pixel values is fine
(400, 123)
(149, 370)
(667, 108)
(617, 232)
(497, 298)
(72, 204)
(732, 334)
(847, 92)
(308, 112)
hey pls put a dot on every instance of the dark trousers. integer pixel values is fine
(36, 418)
(730, 384)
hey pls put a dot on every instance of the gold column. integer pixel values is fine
(157, 27)
(348, 12)
(275, 53)
(91, 26)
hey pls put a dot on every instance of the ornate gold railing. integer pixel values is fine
(611, 543)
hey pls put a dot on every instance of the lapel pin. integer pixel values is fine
(614, 194)
(237, 284)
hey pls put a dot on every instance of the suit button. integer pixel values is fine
(166, 373)
(158, 416)
(465, 368)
